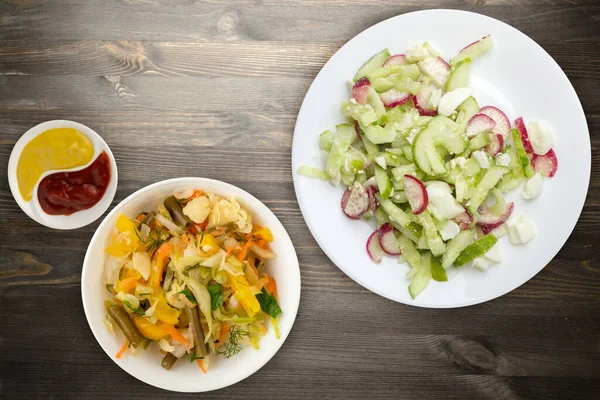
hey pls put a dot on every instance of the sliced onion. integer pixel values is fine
(171, 226)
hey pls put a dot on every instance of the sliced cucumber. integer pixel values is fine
(399, 172)
(409, 251)
(375, 102)
(522, 154)
(419, 282)
(479, 141)
(438, 273)
(384, 183)
(364, 114)
(344, 136)
(466, 111)
(379, 135)
(473, 50)
(394, 212)
(400, 71)
(436, 244)
(476, 249)
(373, 63)
(312, 172)
(456, 246)
(326, 140)
(459, 77)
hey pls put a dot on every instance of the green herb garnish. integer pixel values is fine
(138, 310)
(193, 357)
(189, 296)
(216, 296)
(268, 304)
(232, 347)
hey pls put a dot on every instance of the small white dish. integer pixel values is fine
(32, 208)
(186, 377)
(514, 76)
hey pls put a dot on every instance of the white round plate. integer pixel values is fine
(517, 76)
(186, 377)
(33, 208)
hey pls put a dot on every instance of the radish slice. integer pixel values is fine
(502, 123)
(355, 201)
(393, 98)
(373, 203)
(524, 135)
(496, 144)
(360, 90)
(374, 248)
(420, 101)
(398, 59)
(387, 240)
(437, 69)
(464, 221)
(416, 194)
(479, 123)
(488, 221)
(546, 164)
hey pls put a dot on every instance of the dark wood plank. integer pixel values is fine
(126, 58)
(250, 21)
(198, 88)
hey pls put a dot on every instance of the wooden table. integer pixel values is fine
(213, 89)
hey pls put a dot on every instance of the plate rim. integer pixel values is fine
(300, 198)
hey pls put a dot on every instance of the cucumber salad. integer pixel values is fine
(423, 159)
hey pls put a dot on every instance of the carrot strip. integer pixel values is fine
(224, 332)
(177, 336)
(123, 349)
(185, 239)
(271, 286)
(141, 217)
(244, 250)
(164, 250)
(201, 365)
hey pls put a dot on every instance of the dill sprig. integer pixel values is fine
(232, 347)
(154, 240)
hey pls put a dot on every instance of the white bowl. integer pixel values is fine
(33, 208)
(186, 377)
(517, 76)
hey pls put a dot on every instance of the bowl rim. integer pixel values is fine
(32, 208)
(293, 311)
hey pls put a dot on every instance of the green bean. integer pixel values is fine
(131, 332)
(168, 361)
(149, 218)
(194, 318)
(174, 208)
(183, 320)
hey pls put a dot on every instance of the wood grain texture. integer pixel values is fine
(205, 87)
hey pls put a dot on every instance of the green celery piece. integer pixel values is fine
(479, 141)
(476, 249)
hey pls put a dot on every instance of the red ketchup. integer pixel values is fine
(64, 193)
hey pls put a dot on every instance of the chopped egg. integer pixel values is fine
(482, 159)
(503, 159)
(494, 254)
(533, 186)
(541, 139)
(482, 263)
(417, 53)
(520, 229)
(453, 99)
(460, 161)
(449, 230)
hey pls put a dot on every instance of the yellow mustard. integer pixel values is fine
(54, 149)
